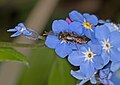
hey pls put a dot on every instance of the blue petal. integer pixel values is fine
(25, 32)
(115, 55)
(110, 26)
(21, 25)
(63, 49)
(115, 66)
(76, 58)
(83, 82)
(59, 26)
(76, 27)
(78, 74)
(105, 57)
(102, 32)
(16, 34)
(11, 30)
(93, 80)
(87, 68)
(115, 39)
(18, 28)
(52, 41)
(90, 34)
(83, 48)
(106, 71)
(76, 16)
(98, 62)
(95, 46)
(101, 74)
(91, 18)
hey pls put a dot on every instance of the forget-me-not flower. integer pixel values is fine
(20, 29)
(61, 40)
(105, 76)
(88, 58)
(110, 41)
(87, 21)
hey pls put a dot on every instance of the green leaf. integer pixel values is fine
(60, 73)
(9, 54)
(41, 61)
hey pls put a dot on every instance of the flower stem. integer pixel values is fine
(8, 44)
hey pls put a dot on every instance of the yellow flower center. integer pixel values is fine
(90, 55)
(87, 25)
(106, 45)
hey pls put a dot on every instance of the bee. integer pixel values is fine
(73, 38)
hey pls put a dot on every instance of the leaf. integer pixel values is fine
(9, 54)
(41, 61)
(60, 73)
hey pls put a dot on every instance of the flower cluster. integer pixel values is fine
(87, 42)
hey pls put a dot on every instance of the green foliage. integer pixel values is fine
(9, 54)
(41, 61)
(46, 69)
(60, 73)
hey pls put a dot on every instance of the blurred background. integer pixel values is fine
(45, 67)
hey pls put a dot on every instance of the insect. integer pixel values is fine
(73, 38)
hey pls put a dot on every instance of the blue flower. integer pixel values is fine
(110, 41)
(80, 76)
(113, 27)
(87, 58)
(105, 76)
(87, 21)
(20, 29)
(61, 39)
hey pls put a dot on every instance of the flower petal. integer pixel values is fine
(115, 39)
(115, 66)
(102, 32)
(101, 74)
(115, 55)
(110, 26)
(90, 34)
(76, 16)
(76, 27)
(21, 25)
(76, 58)
(95, 46)
(78, 74)
(91, 18)
(26, 32)
(63, 49)
(52, 41)
(93, 80)
(105, 57)
(98, 62)
(87, 69)
(11, 30)
(59, 26)
(16, 34)
(83, 82)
